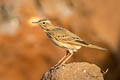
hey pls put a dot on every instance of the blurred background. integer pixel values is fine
(26, 53)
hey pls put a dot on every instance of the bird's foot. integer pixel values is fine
(56, 67)
(63, 64)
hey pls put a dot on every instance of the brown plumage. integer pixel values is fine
(64, 38)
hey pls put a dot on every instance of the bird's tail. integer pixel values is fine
(97, 47)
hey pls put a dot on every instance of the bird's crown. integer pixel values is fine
(44, 23)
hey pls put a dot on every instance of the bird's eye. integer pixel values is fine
(43, 22)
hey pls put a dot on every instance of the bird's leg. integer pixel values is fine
(62, 58)
(66, 58)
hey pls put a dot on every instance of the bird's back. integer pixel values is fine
(65, 36)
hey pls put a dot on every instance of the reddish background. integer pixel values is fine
(26, 52)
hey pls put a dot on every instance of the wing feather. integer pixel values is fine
(65, 36)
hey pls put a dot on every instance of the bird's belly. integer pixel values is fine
(66, 46)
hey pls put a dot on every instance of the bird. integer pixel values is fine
(64, 38)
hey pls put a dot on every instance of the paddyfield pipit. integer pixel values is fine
(64, 38)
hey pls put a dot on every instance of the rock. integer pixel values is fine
(74, 71)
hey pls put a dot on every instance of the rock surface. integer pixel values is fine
(74, 71)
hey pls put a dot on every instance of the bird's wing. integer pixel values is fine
(65, 36)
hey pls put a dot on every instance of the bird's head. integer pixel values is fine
(44, 23)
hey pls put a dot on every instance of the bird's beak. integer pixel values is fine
(35, 21)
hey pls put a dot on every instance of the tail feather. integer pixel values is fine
(97, 47)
